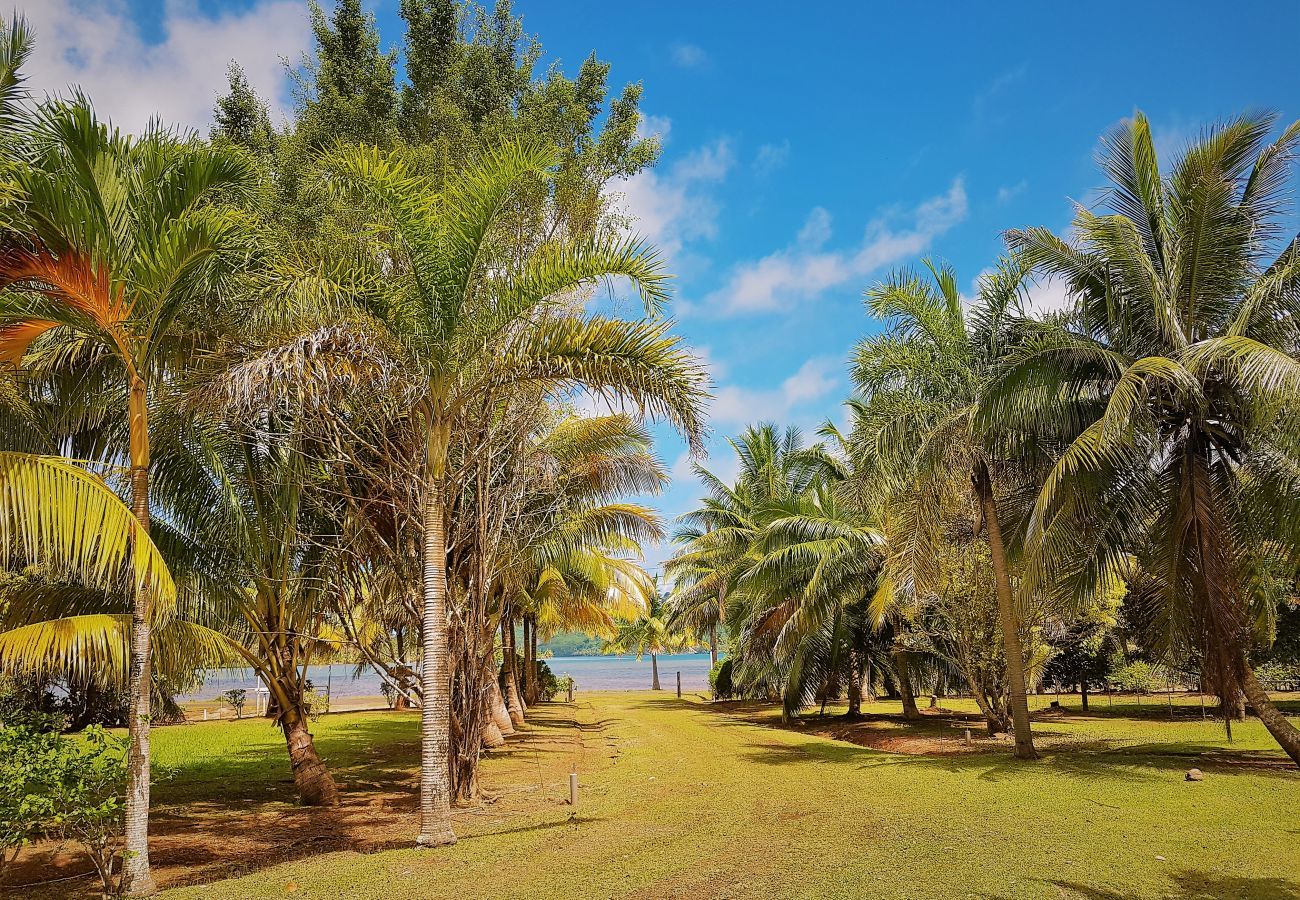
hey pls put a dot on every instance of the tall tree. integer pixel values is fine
(1174, 391)
(114, 238)
(921, 381)
(349, 92)
(474, 317)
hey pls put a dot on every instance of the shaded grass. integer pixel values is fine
(684, 799)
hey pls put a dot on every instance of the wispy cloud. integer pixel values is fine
(805, 270)
(771, 157)
(811, 382)
(1009, 192)
(675, 205)
(689, 56)
(100, 47)
(985, 105)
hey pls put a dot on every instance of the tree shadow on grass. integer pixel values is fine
(936, 741)
(1192, 884)
(235, 812)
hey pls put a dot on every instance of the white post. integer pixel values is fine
(573, 787)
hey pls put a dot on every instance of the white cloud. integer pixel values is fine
(1009, 192)
(689, 56)
(1048, 295)
(99, 46)
(814, 380)
(673, 206)
(804, 270)
(654, 126)
(816, 229)
(771, 157)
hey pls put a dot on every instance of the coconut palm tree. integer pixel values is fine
(112, 238)
(820, 558)
(476, 314)
(920, 383)
(647, 633)
(1173, 391)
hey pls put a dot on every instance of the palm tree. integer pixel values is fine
(113, 238)
(820, 560)
(920, 383)
(647, 633)
(1173, 391)
(478, 315)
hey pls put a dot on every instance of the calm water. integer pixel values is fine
(590, 673)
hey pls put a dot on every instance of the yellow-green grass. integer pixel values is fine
(683, 799)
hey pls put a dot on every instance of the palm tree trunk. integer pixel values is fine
(137, 879)
(713, 646)
(435, 676)
(514, 704)
(1009, 619)
(311, 778)
(855, 685)
(534, 671)
(901, 668)
(1286, 734)
(497, 707)
(654, 672)
(525, 675)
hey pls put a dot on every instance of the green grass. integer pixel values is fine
(247, 759)
(680, 799)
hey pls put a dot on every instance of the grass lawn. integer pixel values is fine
(687, 799)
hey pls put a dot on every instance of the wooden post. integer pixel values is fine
(679, 685)
(573, 786)
(570, 690)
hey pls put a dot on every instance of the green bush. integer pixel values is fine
(720, 680)
(67, 789)
(1138, 677)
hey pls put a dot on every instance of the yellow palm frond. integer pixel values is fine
(96, 647)
(58, 516)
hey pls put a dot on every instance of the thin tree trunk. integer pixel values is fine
(855, 686)
(526, 675)
(654, 673)
(713, 646)
(1286, 734)
(534, 670)
(1083, 693)
(435, 675)
(137, 879)
(1008, 616)
(311, 778)
(905, 685)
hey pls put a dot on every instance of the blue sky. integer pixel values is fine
(807, 150)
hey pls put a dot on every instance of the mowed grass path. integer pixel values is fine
(682, 800)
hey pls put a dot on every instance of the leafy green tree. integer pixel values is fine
(474, 319)
(647, 633)
(1173, 391)
(242, 117)
(349, 92)
(920, 383)
(113, 238)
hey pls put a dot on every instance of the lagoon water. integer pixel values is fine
(590, 673)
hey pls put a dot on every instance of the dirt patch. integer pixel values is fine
(226, 837)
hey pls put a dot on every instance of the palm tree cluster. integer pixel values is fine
(1010, 475)
(349, 435)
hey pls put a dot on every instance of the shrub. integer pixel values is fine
(1138, 677)
(547, 684)
(236, 697)
(720, 680)
(67, 789)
